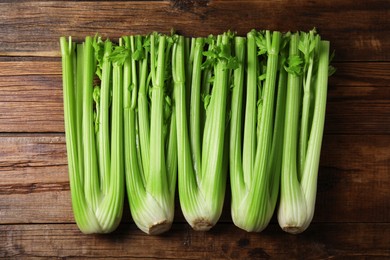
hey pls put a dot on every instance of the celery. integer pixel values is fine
(150, 133)
(201, 171)
(94, 158)
(254, 172)
(300, 171)
(162, 110)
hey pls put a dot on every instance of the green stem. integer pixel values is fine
(275, 162)
(79, 108)
(104, 121)
(110, 210)
(143, 114)
(84, 216)
(205, 90)
(236, 164)
(249, 146)
(91, 184)
(213, 178)
(187, 183)
(156, 180)
(292, 208)
(266, 130)
(195, 107)
(310, 172)
(305, 118)
(135, 184)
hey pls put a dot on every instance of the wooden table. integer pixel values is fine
(352, 217)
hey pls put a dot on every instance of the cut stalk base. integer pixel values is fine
(159, 227)
(202, 224)
(293, 229)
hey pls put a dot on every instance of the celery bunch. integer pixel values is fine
(201, 97)
(308, 71)
(285, 98)
(150, 132)
(255, 155)
(168, 108)
(94, 134)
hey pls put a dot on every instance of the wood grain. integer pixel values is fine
(34, 185)
(352, 217)
(33, 28)
(222, 242)
(32, 160)
(30, 102)
(357, 104)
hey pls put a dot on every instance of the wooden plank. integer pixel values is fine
(31, 102)
(36, 203)
(365, 74)
(31, 67)
(352, 218)
(354, 170)
(358, 30)
(31, 98)
(223, 242)
(356, 117)
(28, 161)
(352, 187)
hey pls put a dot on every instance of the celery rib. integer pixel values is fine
(96, 192)
(299, 183)
(253, 185)
(155, 110)
(201, 171)
(150, 140)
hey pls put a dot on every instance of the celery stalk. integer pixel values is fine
(298, 187)
(150, 135)
(254, 173)
(97, 192)
(201, 174)
(111, 206)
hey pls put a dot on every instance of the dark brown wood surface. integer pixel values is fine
(352, 218)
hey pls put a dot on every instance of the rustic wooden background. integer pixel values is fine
(352, 217)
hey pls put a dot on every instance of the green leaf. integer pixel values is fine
(261, 43)
(167, 108)
(224, 51)
(210, 54)
(210, 40)
(119, 55)
(211, 80)
(146, 43)
(96, 98)
(96, 94)
(209, 63)
(294, 65)
(232, 63)
(139, 53)
(206, 100)
(262, 77)
(331, 70)
(98, 46)
(130, 87)
(285, 40)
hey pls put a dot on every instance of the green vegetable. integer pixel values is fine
(155, 109)
(201, 138)
(255, 165)
(150, 132)
(307, 68)
(94, 144)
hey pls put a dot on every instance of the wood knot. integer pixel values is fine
(188, 5)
